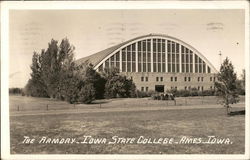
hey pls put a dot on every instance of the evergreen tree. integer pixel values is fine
(226, 85)
(50, 68)
(36, 86)
(67, 69)
(93, 77)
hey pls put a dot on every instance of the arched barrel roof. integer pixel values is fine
(100, 57)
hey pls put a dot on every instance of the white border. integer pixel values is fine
(6, 6)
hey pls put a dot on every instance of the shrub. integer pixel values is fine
(142, 94)
(118, 85)
(192, 92)
(87, 93)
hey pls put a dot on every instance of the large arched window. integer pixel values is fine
(156, 54)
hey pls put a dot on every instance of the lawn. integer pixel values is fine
(172, 123)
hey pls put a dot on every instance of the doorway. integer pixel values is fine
(159, 88)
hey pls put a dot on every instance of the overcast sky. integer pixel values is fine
(209, 31)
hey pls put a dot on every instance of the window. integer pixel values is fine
(157, 79)
(185, 79)
(185, 88)
(198, 79)
(131, 78)
(100, 68)
(171, 79)
(175, 78)
(211, 87)
(198, 88)
(208, 70)
(201, 78)
(117, 57)
(189, 87)
(211, 78)
(177, 47)
(189, 78)
(214, 79)
(175, 88)
(142, 89)
(142, 78)
(146, 78)
(169, 48)
(146, 89)
(202, 88)
(124, 60)
(107, 63)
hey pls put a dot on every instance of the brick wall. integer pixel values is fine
(180, 83)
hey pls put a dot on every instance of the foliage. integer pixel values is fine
(240, 84)
(55, 75)
(15, 90)
(142, 94)
(117, 85)
(91, 76)
(226, 86)
(51, 70)
(192, 92)
(87, 93)
(36, 86)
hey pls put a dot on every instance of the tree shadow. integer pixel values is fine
(234, 113)
(99, 102)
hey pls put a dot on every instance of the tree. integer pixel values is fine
(67, 68)
(118, 85)
(87, 93)
(50, 68)
(226, 84)
(36, 86)
(91, 76)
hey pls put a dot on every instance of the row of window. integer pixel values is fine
(199, 88)
(175, 79)
(187, 79)
(146, 89)
(212, 78)
(142, 79)
(155, 56)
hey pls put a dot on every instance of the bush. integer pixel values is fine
(208, 93)
(142, 94)
(192, 92)
(15, 90)
(119, 86)
(87, 94)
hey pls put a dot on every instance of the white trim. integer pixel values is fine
(120, 57)
(136, 57)
(152, 64)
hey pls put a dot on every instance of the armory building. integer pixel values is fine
(157, 62)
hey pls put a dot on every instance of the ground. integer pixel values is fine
(197, 117)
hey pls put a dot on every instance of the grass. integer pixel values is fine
(39, 104)
(200, 122)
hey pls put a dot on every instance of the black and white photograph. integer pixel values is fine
(122, 80)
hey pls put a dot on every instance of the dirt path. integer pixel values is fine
(119, 109)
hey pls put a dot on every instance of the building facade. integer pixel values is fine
(158, 62)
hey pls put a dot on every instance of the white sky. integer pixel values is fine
(209, 31)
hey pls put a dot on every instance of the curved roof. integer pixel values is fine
(101, 56)
(97, 57)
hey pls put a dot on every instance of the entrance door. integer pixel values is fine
(159, 88)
